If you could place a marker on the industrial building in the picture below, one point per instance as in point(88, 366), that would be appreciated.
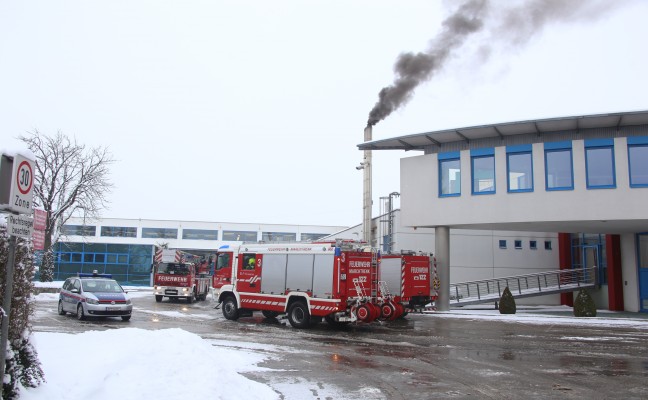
point(582, 177)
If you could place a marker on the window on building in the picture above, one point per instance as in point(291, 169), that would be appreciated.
point(279, 237)
point(312, 236)
point(199, 234)
point(241, 236)
point(559, 172)
point(502, 244)
point(519, 168)
point(79, 230)
point(547, 244)
point(483, 171)
point(533, 244)
point(599, 164)
point(449, 174)
point(119, 231)
point(518, 244)
point(638, 161)
point(159, 233)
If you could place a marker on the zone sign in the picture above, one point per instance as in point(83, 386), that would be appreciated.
point(19, 185)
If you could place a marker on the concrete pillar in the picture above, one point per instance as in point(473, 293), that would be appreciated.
point(442, 248)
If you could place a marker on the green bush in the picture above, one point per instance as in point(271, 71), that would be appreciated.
point(507, 302)
point(584, 305)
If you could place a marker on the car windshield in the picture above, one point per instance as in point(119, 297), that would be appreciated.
point(100, 285)
point(172, 268)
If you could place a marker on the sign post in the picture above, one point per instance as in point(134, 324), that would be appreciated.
point(16, 197)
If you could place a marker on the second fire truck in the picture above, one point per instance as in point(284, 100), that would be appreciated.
point(339, 282)
point(178, 274)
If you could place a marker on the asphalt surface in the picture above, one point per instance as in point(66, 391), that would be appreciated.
point(424, 356)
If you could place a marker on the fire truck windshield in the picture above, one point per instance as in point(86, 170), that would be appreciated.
point(223, 260)
point(172, 268)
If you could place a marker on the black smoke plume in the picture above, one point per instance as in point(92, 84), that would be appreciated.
point(510, 23)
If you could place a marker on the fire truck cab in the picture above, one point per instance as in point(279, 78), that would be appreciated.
point(177, 274)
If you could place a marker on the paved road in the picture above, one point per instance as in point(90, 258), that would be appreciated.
point(425, 356)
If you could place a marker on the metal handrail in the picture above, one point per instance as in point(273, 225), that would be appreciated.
point(526, 285)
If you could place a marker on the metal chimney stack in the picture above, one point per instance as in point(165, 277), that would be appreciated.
point(366, 203)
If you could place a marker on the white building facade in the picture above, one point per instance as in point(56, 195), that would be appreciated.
point(585, 178)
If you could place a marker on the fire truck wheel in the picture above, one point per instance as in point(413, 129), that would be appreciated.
point(80, 314)
point(191, 298)
point(298, 315)
point(158, 298)
point(230, 309)
point(269, 314)
point(60, 308)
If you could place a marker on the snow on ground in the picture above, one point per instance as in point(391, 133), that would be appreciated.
point(552, 315)
point(131, 363)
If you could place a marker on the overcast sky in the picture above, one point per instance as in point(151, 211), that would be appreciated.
point(251, 111)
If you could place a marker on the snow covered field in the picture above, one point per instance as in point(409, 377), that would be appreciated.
point(130, 363)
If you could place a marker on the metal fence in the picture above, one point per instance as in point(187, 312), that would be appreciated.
point(543, 283)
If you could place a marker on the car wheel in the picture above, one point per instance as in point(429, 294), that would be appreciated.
point(80, 314)
point(298, 315)
point(269, 314)
point(126, 318)
point(230, 309)
point(158, 298)
point(60, 308)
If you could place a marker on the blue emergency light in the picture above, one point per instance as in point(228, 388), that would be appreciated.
point(94, 274)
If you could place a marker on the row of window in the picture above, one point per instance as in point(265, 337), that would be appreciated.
point(188, 234)
point(533, 244)
point(600, 167)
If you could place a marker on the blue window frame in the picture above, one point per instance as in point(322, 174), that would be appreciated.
point(559, 170)
point(519, 168)
point(599, 164)
point(638, 161)
point(482, 165)
point(449, 174)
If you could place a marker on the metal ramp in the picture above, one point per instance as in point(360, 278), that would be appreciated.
point(540, 284)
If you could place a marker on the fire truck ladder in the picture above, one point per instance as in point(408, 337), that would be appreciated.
point(374, 273)
point(384, 290)
point(540, 284)
point(358, 288)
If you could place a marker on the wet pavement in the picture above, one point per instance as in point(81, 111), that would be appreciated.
point(424, 356)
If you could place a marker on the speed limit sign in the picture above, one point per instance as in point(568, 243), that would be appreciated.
point(19, 185)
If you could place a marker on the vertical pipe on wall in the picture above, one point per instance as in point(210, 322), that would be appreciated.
point(442, 249)
point(565, 259)
point(614, 277)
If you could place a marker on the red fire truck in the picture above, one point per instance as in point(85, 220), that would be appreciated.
point(179, 274)
point(411, 278)
point(335, 281)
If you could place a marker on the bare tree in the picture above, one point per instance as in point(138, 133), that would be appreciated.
point(69, 180)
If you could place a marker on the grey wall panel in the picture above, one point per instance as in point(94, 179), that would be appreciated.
point(273, 273)
point(323, 276)
point(300, 272)
point(390, 272)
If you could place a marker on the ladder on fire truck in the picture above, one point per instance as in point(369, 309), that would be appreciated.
point(373, 285)
point(540, 284)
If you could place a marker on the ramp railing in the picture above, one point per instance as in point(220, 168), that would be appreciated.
point(543, 283)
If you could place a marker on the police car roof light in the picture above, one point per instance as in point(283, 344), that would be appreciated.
point(93, 275)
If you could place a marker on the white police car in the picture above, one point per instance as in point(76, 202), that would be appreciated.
point(94, 295)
